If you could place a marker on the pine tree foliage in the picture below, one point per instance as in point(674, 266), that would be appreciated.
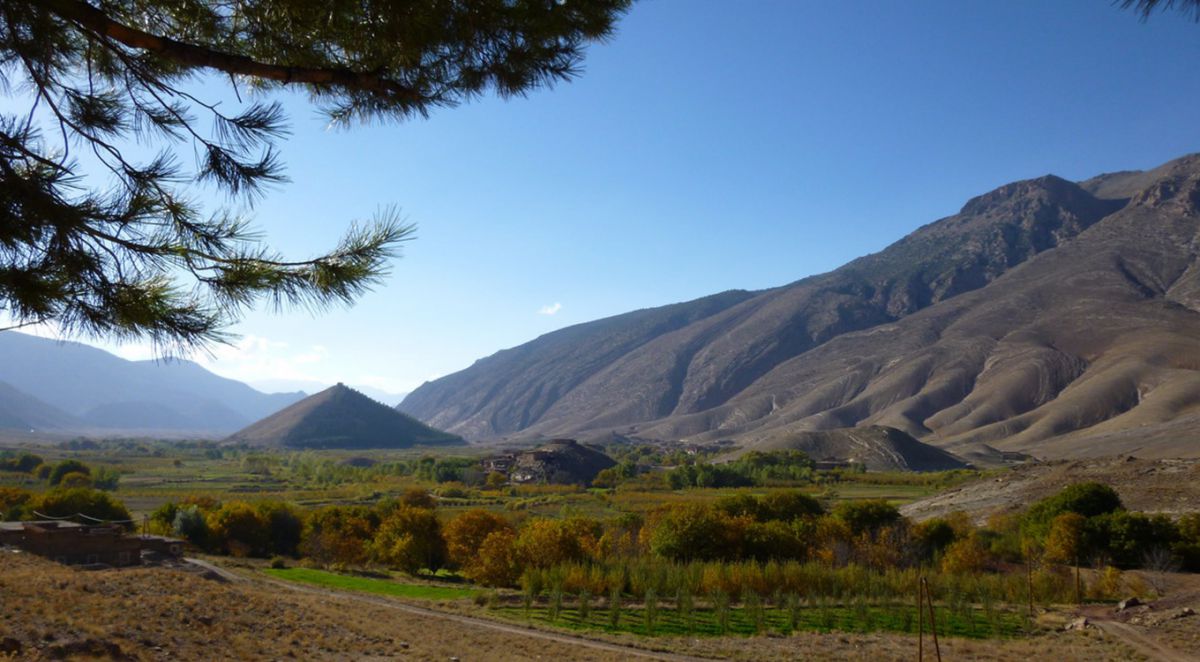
point(131, 252)
point(1148, 7)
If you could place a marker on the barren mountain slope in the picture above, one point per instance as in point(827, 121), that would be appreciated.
point(340, 417)
point(1038, 316)
point(1097, 341)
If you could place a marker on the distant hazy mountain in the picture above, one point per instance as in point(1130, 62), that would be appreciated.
point(341, 417)
point(24, 413)
point(309, 387)
point(99, 391)
point(1047, 316)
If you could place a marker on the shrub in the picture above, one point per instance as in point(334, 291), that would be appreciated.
point(23, 463)
point(13, 502)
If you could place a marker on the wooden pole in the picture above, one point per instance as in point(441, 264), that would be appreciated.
point(1029, 577)
point(1078, 585)
point(932, 620)
point(921, 620)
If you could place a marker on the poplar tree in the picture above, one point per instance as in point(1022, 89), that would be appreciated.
point(124, 248)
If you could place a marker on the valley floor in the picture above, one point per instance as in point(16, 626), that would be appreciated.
point(51, 611)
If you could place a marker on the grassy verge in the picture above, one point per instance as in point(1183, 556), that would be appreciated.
point(369, 585)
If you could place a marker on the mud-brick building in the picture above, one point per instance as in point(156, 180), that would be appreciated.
point(77, 544)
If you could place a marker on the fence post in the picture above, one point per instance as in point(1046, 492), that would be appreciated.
point(937, 648)
point(921, 620)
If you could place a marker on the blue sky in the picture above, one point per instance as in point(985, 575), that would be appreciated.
point(708, 146)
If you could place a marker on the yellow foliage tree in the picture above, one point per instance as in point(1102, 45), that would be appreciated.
point(966, 556)
point(496, 564)
point(543, 543)
point(465, 534)
point(410, 539)
point(1064, 542)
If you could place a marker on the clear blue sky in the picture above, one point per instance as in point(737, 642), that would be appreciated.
point(709, 146)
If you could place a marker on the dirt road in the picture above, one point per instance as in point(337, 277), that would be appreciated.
point(1143, 644)
point(625, 651)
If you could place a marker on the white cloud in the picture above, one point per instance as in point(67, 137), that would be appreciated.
point(550, 309)
point(255, 358)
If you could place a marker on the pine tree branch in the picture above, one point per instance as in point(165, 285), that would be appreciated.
point(96, 21)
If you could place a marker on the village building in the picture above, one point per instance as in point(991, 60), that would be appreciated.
point(84, 544)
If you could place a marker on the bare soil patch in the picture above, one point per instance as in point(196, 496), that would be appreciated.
point(1158, 486)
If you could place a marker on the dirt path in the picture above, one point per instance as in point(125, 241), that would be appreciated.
point(1143, 644)
point(481, 622)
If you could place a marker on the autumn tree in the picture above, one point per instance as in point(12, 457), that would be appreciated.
point(465, 535)
point(497, 563)
point(410, 539)
point(1064, 542)
point(543, 543)
point(238, 528)
point(121, 245)
point(338, 535)
point(966, 555)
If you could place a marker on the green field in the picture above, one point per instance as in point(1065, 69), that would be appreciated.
point(971, 623)
point(370, 585)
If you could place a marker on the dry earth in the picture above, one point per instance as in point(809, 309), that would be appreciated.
point(1159, 486)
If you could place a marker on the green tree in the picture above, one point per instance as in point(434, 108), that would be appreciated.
point(189, 523)
point(126, 250)
point(60, 470)
point(1086, 499)
point(694, 532)
point(239, 529)
point(84, 501)
point(867, 516)
point(284, 526)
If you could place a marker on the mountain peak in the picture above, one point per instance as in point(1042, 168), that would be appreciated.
point(1047, 189)
point(340, 417)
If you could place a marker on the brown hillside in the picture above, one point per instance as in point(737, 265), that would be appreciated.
point(340, 417)
point(1046, 317)
point(876, 447)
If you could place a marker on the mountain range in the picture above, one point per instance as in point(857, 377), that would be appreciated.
point(48, 386)
point(1047, 317)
